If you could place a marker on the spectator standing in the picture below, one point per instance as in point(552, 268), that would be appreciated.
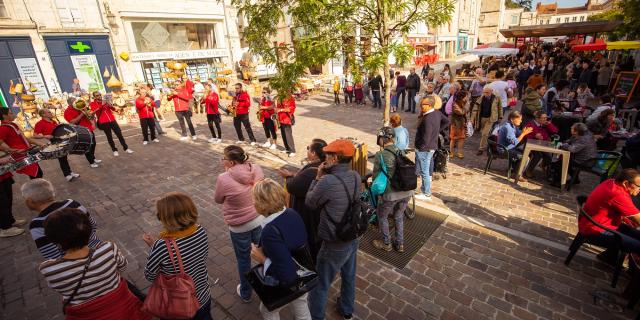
point(198, 95)
point(523, 76)
point(532, 102)
point(429, 127)
point(604, 77)
point(332, 192)
point(401, 85)
point(458, 130)
point(347, 86)
point(535, 80)
point(500, 88)
point(585, 74)
point(413, 87)
point(233, 191)
point(401, 133)
point(179, 218)
point(336, 90)
point(485, 113)
point(376, 85)
point(283, 234)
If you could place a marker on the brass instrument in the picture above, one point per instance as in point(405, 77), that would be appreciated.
point(274, 118)
point(82, 106)
point(232, 108)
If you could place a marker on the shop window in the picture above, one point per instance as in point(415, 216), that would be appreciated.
point(557, 20)
point(514, 19)
point(3, 10)
point(581, 18)
point(566, 19)
point(69, 13)
point(574, 19)
point(160, 36)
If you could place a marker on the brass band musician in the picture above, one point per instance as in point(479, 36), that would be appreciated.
point(44, 129)
point(107, 122)
point(145, 107)
point(267, 116)
point(77, 117)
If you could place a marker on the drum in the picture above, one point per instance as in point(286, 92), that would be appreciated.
point(23, 160)
point(78, 138)
point(6, 168)
point(55, 151)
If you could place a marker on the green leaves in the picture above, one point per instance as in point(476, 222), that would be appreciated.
point(627, 11)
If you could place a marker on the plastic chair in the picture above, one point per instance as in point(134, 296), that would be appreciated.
point(579, 240)
point(611, 160)
point(497, 151)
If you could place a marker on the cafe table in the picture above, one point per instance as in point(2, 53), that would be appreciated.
point(547, 147)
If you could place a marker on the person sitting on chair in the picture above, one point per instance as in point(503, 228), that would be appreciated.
point(542, 129)
point(582, 146)
point(609, 204)
point(510, 136)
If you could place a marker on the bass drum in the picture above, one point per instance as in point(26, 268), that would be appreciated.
point(78, 138)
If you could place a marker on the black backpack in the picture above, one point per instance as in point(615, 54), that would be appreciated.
point(355, 219)
point(404, 174)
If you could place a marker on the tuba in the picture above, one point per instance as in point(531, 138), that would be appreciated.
point(82, 106)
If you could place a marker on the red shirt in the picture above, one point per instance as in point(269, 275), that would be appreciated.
point(607, 204)
point(212, 101)
point(11, 134)
point(104, 113)
point(70, 113)
point(545, 131)
point(45, 127)
point(181, 99)
point(144, 111)
point(266, 114)
point(243, 102)
point(285, 117)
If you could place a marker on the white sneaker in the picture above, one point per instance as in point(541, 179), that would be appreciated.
point(239, 142)
point(219, 141)
point(194, 137)
point(183, 138)
point(144, 143)
point(115, 153)
point(19, 222)
point(96, 161)
point(13, 231)
point(291, 155)
point(266, 144)
point(253, 143)
point(75, 175)
point(156, 140)
point(70, 177)
point(129, 151)
point(273, 147)
point(423, 197)
point(94, 165)
point(212, 140)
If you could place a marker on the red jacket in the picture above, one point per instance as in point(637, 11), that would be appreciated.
point(181, 99)
point(11, 134)
point(105, 111)
point(212, 101)
point(45, 127)
point(545, 131)
point(189, 86)
point(71, 113)
point(144, 111)
point(266, 114)
point(243, 103)
point(283, 116)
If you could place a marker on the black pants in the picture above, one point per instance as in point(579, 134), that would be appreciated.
point(148, 124)
point(269, 129)
point(336, 97)
point(113, 126)
point(411, 104)
point(602, 89)
point(39, 174)
point(630, 240)
point(90, 155)
point(6, 199)
point(348, 95)
point(377, 102)
point(182, 116)
point(64, 166)
point(400, 94)
point(243, 119)
point(211, 120)
point(534, 159)
point(287, 138)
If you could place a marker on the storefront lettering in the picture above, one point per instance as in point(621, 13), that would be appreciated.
point(178, 55)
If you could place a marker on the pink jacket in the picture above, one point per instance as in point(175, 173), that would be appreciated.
point(233, 190)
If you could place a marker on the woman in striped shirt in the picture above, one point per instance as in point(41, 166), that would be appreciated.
point(179, 216)
point(88, 279)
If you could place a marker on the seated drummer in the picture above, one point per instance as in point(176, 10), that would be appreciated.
point(609, 204)
point(44, 129)
point(12, 140)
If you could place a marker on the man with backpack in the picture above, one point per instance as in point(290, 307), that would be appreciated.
point(335, 193)
point(392, 163)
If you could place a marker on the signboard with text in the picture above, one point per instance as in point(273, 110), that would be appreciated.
point(178, 55)
point(30, 73)
point(88, 72)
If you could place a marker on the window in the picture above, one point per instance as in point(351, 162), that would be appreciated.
point(566, 19)
point(581, 18)
point(514, 19)
point(161, 36)
point(557, 20)
point(548, 21)
point(69, 13)
point(3, 10)
point(574, 19)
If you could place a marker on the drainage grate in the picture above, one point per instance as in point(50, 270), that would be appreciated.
point(416, 234)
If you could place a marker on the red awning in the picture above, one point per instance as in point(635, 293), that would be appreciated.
point(598, 45)
point(497, 44)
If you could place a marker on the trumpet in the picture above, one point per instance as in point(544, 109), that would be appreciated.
point(82, 106)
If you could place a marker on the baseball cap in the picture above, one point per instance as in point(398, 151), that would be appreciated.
point(341, 147)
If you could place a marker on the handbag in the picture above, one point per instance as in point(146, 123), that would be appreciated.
point(274, 297)
point(469, 131)
point(84, 274)
point(379, 184)
point(172, 296)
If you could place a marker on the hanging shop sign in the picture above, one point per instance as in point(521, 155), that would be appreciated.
point(178, 55)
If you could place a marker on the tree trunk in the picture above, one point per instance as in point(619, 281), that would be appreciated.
point(387, 93)
point(384, 46)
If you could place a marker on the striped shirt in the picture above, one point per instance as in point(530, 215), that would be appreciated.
point(194, 250)
point(47, 249)
point(103, 275)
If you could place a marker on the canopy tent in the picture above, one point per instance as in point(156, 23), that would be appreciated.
point(497, 44)
point(560, 29)
point(493, 51)
point(616, 45)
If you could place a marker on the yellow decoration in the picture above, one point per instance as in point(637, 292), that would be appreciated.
point(27, 97)
point(106, 73)
point(12, 87)
point(114, 82)
point(18, 88)
point(124, 55)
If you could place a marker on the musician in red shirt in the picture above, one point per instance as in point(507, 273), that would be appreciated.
point(107, 122)
point(285, 109)
point(13, 141)
point(211, 102)
point(267, 109)
point(242, 102)
point(181, 96)
point(144, 106)
point(77, 117)
point(44, 129)
point(8, 224)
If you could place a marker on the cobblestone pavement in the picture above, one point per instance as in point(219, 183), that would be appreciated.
point(498, 256)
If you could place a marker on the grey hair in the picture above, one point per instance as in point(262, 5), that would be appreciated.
point(38, 190)
point(580, 128)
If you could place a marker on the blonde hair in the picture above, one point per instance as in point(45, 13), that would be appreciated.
point(176, 211)
point(268, 197)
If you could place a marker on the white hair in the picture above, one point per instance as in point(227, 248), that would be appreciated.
point(38, 190)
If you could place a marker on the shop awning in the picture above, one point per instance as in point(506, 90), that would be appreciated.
point(561, 29)
point(500, 52)
point(616, 45)
point(497, 44)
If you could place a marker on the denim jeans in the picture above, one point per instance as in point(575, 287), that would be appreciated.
point(204, 313)
point(423, 165)
point(395, 208)
point(242, 248)
point(411, 100)
point(377, 102)
point(630, 240)
point(330, 261)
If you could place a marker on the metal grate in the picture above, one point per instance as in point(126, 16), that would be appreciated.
point(416, 234)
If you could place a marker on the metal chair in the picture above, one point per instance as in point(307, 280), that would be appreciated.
point(579, 240)
point(611, 162)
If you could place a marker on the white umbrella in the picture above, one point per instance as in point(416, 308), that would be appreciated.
point(493, 51)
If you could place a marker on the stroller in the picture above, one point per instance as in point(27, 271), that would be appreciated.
point(367, 197)
point(441, 158)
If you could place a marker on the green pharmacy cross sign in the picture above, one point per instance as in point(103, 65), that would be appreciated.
point(79, 47)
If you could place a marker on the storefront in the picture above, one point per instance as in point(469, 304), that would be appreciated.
point(81, 57)
point(19, 64)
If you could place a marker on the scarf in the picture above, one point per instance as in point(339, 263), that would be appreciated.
point(180, 233)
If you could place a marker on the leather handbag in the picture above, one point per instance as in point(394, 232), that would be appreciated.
point(274, 297)
point(172, 296)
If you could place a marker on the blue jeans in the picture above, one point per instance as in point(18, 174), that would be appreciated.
point(204, 313)
point(377, 102)
point(330, 261)
point(423, 165)
point(242, 248)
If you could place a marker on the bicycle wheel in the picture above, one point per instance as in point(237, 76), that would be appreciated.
point(410, 211)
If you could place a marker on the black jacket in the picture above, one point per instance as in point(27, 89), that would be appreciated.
point(298, 186)
point(428, 130)
point(413, 82)
point(375, 83)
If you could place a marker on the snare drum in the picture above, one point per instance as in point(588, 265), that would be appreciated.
point(78, 138)
point(54, 151)
point(25, 160)
point(4, 168)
